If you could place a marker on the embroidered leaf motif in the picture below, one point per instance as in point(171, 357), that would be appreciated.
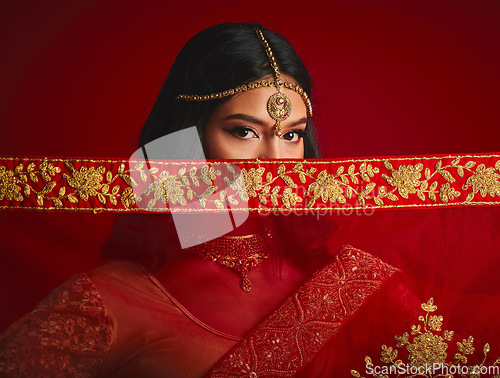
point(269, 177)
point(447, 176)
point(69, 166)
point(232, 201)
point(202, 202)
point(470, 164)
point(392, 197)
point(302, 177)
point(348, 192)
point(427, 173)
point(369, 187)
point(101, 198)
point(45, 176)
point(298, 167)
point(47, 188)
point(262, 199)
point(289, 182)
point(420, 195)
point(486, 348)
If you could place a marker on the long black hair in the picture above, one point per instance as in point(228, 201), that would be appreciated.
point(216, 59)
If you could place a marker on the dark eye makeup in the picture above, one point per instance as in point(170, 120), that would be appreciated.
point(244, 132)
point(290, 135)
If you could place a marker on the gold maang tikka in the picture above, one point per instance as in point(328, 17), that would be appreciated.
point(279, 106)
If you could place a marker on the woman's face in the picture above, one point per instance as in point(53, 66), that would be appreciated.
point(241, 128)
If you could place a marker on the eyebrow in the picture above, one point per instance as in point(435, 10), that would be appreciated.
point(249, 118)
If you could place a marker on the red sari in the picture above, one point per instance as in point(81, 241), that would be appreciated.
point(357, 313)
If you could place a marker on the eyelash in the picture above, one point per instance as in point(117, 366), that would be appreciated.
point(300, 133)
point(233, 131)
point(236, 129)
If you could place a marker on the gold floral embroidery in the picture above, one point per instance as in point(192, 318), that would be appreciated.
point(427, 345)
point(485, 181)
point(8, 188)
point(254, 186)
point(406, 180)
point(253, 180)
point(86, 182)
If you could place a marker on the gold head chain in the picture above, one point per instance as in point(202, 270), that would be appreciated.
point(279, 106)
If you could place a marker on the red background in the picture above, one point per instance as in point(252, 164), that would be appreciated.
point(78, 77)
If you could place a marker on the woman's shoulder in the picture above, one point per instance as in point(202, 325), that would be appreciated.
point(121, 278)
point(71, 322)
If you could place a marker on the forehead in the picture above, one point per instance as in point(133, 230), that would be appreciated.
point(254, 102)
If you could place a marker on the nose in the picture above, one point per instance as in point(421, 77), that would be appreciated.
point(271, 149)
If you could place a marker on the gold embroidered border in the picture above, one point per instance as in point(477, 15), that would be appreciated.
point(427, 346)
point(293, 334)
point(281, 186)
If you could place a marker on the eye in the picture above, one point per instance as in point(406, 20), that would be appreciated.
point(293, 135)
point(243, 132)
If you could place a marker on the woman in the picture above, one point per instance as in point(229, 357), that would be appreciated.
point(182, 318)
point(246, 303)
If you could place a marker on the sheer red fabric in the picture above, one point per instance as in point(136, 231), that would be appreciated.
point(445, 248)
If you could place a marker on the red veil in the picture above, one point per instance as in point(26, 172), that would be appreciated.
point(428, 222)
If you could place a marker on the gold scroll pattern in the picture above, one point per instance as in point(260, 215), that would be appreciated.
point(427, 346)
point(303, 185)
point(296, 331)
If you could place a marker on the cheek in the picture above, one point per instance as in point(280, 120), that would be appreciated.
point(295, 150)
